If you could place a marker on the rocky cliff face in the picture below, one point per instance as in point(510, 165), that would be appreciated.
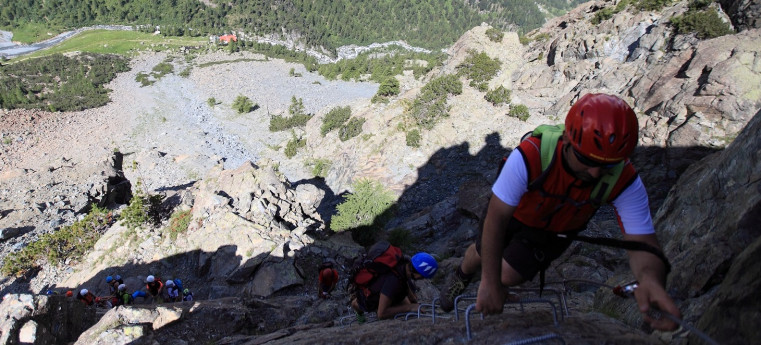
point(709, 227)
point(692, 96)
point(43, 319)
point(255, 237)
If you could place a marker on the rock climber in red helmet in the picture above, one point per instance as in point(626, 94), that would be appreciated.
point(533, 201)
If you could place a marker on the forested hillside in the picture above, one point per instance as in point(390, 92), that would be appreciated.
point(427, 23)
point(59, 83)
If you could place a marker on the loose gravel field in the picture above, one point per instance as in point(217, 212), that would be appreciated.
point(170, 136)
point(168, 128)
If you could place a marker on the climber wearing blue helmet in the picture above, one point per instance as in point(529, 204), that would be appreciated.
point(397, 294)
point(425, 264)
point(391, 289)
point(113, 284)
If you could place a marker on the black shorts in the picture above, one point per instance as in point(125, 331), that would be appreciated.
point(388, 284)
point(528, 250)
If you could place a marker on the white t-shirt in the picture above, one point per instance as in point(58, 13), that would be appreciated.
point(631, 206)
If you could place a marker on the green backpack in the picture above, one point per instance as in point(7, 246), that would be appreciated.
point(550, 135)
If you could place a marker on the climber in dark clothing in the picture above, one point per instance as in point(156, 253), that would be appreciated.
point(155, 288)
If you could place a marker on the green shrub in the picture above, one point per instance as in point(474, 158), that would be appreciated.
point(699, 4)
point(185, 72)
point(413, 138)
point(431, 104)
point(519, 111)
point(364, 211)
point(479, 68)
point(179, 222)
point(162, 69)
point(144, 207)
point(608, 12)
point(297, 107)
point(495, 35)
point(542, 37)
point(444, 85)
point(320, 167)
point(157, 73)
point(351, 129)
point(704, 23)
point(211, 101)
point(335, 118)
point(155, 208)
point(602, 15)
point(144, 79)
point(298, 118)
point(500, 95)
point(379, 99)
point(243, 104)
point(232, 47)
point(293, 73)
point(135, 214)
point(389, 87)
point(293, 146)
point(652, 5)
point(59, 83)
point(281, 123)
point(69, 242)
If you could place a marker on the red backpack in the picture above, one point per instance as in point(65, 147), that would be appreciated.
point(380, 259)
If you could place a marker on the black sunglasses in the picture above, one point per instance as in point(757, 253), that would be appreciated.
point(590, 163)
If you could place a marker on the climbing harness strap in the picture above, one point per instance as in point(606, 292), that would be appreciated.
point(609, 242)
point(623, 244)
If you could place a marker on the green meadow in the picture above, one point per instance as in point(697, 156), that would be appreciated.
point(28, 33)
point(125, 43)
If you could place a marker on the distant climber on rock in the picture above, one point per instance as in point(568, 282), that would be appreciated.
point(551, 185)
point(187, 295)
point(386, 285)
point(86, 297)
point(155, 288)
point(113, 283)
point(123, 296)
point(173, 291)
point(327, 279)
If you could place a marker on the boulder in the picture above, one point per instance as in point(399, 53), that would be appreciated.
point(110, 187)
point(6, 233)
point(273, 275)
point(38, 319)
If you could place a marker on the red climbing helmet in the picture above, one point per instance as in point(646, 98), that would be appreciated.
point(602, 127)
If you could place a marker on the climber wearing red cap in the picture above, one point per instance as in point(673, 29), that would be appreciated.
point(553, 183)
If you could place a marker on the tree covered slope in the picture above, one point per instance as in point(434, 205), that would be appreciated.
point(427, 23)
